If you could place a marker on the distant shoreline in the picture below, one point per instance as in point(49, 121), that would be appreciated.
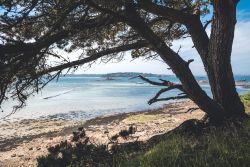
point(139, 73)
point(242, 83)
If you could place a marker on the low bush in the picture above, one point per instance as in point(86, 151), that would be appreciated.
point(81, 152)
point(222, 147)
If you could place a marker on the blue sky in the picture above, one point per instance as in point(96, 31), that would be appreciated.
point(240, 55)
point(244, 5)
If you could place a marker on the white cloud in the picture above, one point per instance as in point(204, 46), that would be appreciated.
point(240, 56)
point(127, 65)
point(241, 48)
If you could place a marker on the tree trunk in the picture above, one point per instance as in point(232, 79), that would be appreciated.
point(226, 103)
point(178, 66)
point(219, 59)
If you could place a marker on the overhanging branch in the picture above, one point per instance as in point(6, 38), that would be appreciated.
point(163, 83)
point(170, 98)
point(155, 98)
point(169, 13)
point(95, 56)
point(170, 86)
point(191, 21)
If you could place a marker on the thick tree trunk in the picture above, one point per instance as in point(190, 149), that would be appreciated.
point(178, 66)
point(219, 64)
point(216, 56)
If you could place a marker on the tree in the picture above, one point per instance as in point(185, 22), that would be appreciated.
point(103, 29)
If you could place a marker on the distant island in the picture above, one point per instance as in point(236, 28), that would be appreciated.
point(241, 81)
point(117, 74)
point(132, 74)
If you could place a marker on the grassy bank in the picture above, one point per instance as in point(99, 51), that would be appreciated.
point(223, 147)
point(246, 100)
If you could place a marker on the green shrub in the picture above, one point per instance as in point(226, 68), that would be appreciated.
point(81, 152)
point(223, 147)
point(246, 100)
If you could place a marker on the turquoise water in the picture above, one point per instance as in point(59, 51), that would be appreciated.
point(85, 97)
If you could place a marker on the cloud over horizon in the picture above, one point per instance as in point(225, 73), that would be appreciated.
point(240, 55)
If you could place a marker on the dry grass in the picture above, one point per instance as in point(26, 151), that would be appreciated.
point(143, 117)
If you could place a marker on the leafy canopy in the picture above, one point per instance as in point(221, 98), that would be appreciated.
point(32, 31)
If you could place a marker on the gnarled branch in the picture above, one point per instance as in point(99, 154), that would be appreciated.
point(163, 83)
point(170, 98)
point(96, 56)
point(155, 98)
point(170, 86)
point(192, 109)
point(191, 21)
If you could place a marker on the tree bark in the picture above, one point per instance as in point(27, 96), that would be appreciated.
point(177, 64)
point(219, 59)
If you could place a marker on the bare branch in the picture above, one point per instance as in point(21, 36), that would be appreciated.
point(155, 98)
point(190, 61)
point(95, 56)
point(207, 23)
point(179, 49)
point(170, 86)
point(169, 98)
point(192, 109)
point(164, 83)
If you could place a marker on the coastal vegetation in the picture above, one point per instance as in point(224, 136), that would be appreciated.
point(143, 117)
point(227, 146)
point(32, 32)
point(246, 100)
point(221, 147)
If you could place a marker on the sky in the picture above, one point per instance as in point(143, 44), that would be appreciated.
point(240, 54)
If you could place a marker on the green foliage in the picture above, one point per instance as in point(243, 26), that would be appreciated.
point(65, 154)
point(126, 133)
point(246, 100)
point(33, 31)
point(81, 152)
point(229, 147)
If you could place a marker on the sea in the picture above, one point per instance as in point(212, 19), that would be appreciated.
point(82, 97)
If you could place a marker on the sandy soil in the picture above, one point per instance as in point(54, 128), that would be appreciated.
point(29, 139)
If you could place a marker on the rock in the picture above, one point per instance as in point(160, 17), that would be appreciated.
point(27, 158)
point(30, 163)
point(30, 148)
point(80, 129)
point(13, 155)
point(20, 155)
point(38, 148)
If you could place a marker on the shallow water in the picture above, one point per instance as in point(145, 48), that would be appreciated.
point(85, 97)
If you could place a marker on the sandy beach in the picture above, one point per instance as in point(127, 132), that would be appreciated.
point(22, 142)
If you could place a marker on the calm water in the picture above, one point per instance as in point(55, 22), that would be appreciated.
point(81, 97)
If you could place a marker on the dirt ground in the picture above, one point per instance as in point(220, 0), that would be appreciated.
point(22, 142)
